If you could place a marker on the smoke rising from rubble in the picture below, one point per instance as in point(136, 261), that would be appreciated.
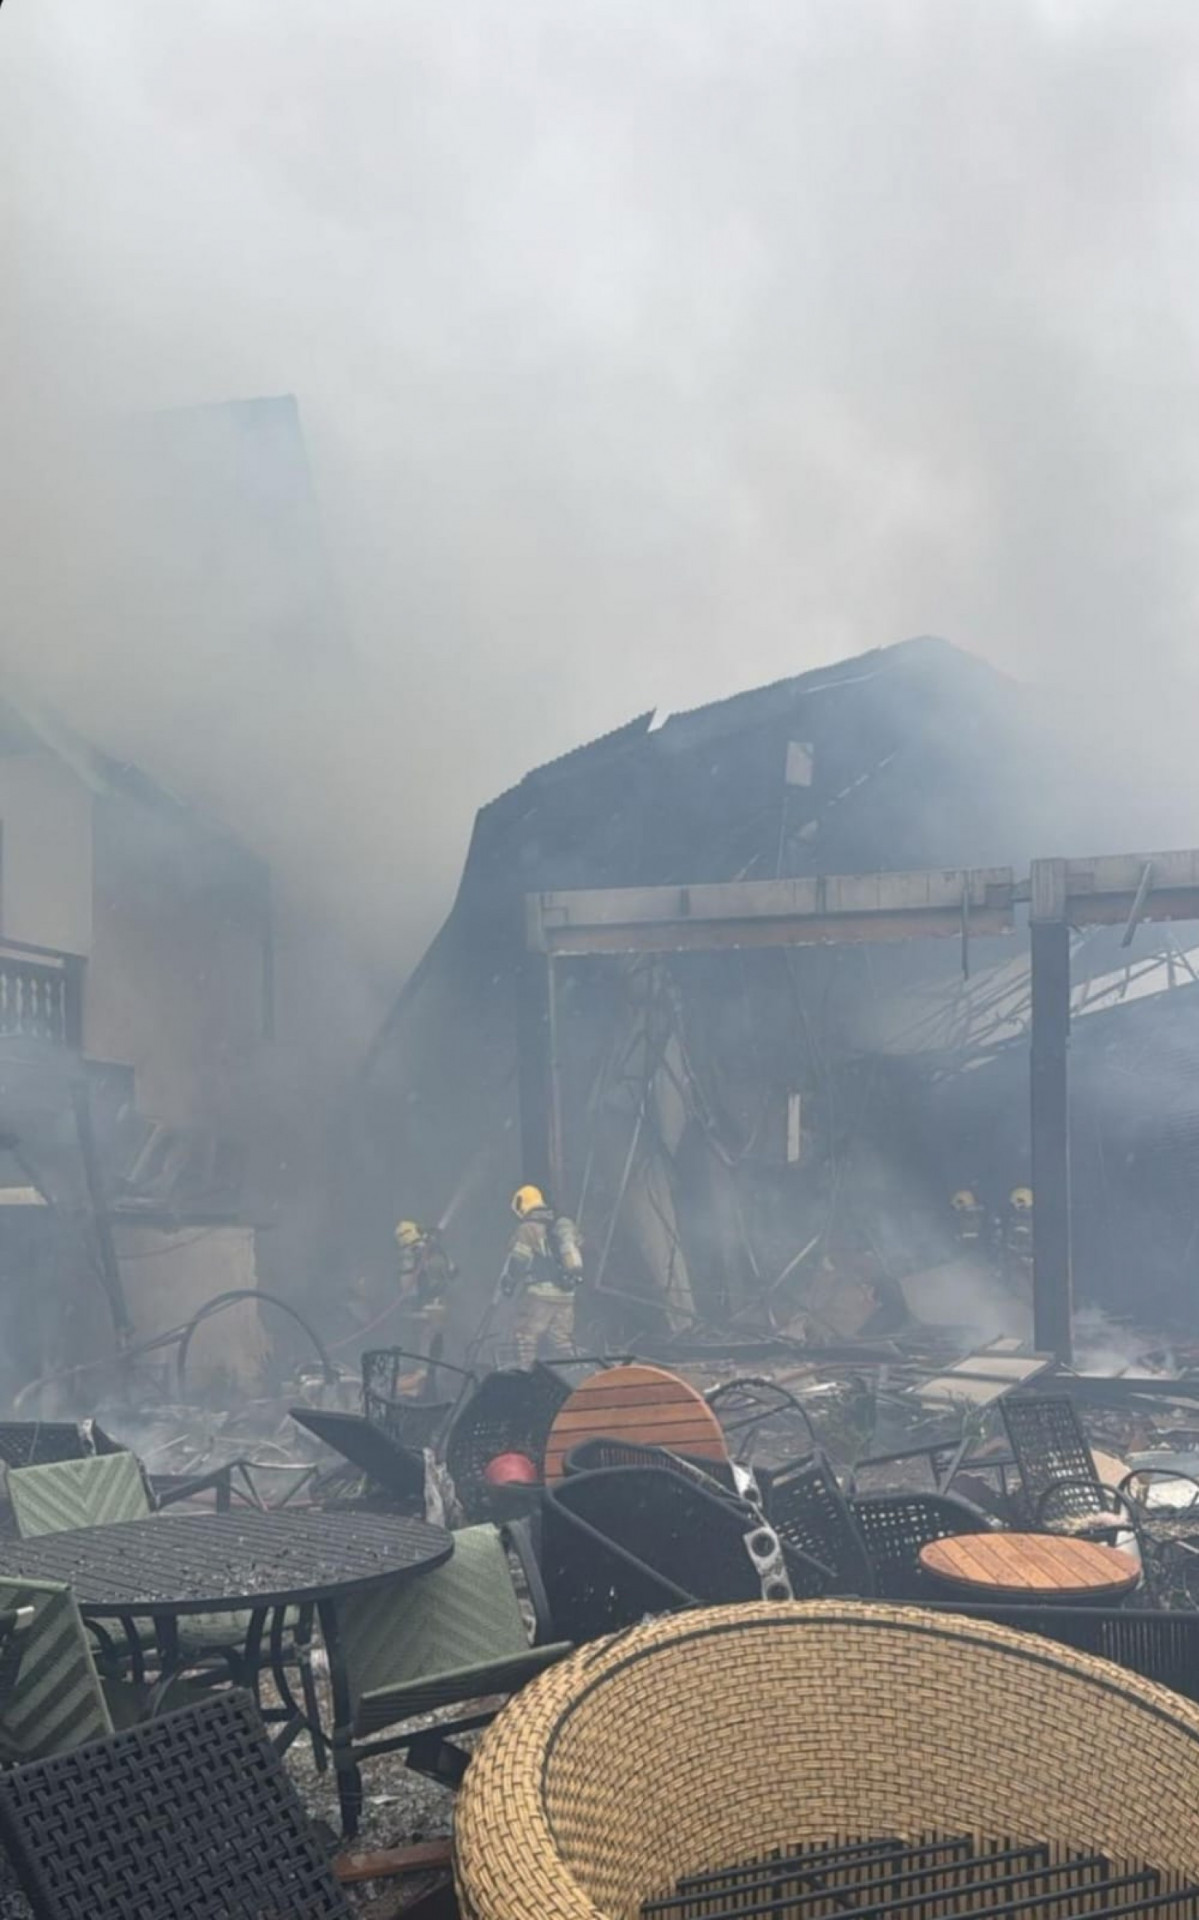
point(644, 353)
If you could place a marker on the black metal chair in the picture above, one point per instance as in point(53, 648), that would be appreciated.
point(191, 1815)
point(592, 1456)
point(759, 1413)
point(512, 1411)
point(895, 1526)
point(410, 1422)
point(627, 1541)
point(1061, 1490)
point(805, 1504)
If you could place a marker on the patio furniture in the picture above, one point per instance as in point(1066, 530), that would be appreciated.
point(872, 1541)
point(640, 1403)
point(621, 1543)
point(896, 1528)
point(511, 1411)
point(409, 1422)
point(171, 1567)
point(26, 1443)
point(190, 1816)
point(109, 1490)
point(1060, 1485)
point(804, 1502)
point(397, 1470)
point(1038, 1566)
point(94, 1492)
point(1160, 1646)
point(457, 1636)
point(592, 1456)
point(112, 1484)
point(54, 1699)
point(692, 1746)
point(758, 1414)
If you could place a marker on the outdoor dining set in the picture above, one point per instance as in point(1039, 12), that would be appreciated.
point(152, 1643)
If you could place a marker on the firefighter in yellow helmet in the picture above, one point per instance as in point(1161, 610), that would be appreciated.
point(545, 1266)
point(425, 1273)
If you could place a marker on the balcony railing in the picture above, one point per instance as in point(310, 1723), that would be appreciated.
point(41, 995)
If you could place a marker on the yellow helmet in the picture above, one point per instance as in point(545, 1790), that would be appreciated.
point(1021, 1199)
point(408, 1234)
point(527, 1200)
point(963, 1200)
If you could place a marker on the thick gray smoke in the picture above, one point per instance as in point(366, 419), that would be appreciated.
point(645, 351)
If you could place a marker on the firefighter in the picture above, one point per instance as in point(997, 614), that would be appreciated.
point(969, 1221)
point(544, 1264)
point(425, 1273)
point(1017, 1239)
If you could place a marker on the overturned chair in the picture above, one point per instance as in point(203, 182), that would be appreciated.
point(191, 1815)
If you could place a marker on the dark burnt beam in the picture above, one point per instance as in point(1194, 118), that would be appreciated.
point(833, 910)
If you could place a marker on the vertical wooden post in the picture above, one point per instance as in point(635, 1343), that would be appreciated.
point(1049, 932)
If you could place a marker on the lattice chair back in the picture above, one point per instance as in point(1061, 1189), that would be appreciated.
point(1049, 1445)
point(190, 1815)
point(805, 1505)
point(54, 1701)
point(591, 1456)
point(78, 1493)
point(895, 1526)
point(511, 1412)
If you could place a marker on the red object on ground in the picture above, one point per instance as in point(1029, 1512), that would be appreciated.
point(510, 1470)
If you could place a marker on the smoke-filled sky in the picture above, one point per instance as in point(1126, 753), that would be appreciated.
point(646, 349)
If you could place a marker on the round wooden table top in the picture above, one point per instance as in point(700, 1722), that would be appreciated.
point(636, 1402)
point(1031, 1566)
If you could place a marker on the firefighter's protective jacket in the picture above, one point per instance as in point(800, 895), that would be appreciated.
point(425, 1270)
point(545, 1256)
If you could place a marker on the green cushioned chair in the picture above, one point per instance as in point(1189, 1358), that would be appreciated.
point(53, 1698)
point(454, 1636)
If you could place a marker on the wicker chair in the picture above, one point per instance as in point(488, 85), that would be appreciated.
point(456, 1636)
point(627, 1541)
point(709, 1739)
point(191, 1815)
point(512, 1412)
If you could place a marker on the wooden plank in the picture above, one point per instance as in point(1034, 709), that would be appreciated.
point(427, 1856)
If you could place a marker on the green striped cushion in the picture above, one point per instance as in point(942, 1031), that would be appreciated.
point(78, 1493)
point(57, 1701)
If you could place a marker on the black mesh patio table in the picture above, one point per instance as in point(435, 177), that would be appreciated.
point(171, 1565)
point(175, 1564)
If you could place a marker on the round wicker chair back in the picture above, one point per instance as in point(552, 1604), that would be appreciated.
point(711, 1737)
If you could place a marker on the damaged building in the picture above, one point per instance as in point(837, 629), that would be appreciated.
point(774, 1139)
point(136, 1002)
